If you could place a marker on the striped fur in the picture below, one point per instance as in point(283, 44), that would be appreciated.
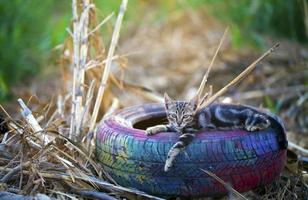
point(185, 119)
point(184, 140)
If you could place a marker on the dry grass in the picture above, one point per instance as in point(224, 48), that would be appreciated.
point(55, 141)
point(148, 56)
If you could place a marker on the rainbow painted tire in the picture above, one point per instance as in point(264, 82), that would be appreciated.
point(244, 159)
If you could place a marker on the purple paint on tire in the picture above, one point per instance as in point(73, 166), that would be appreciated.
point(244, 159)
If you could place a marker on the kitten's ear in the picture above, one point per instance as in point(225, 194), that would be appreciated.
point(168, 100)
point(194, 102)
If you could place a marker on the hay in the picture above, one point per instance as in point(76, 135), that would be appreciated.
point(56, 142)
point(63, 166)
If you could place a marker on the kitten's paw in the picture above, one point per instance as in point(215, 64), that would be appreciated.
point(167, 168)
point(168, 164)
point(257, 122)
point(156, 129)
point(174, 151)
point(150, 131)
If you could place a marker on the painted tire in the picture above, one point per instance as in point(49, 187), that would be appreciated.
point(244, 159)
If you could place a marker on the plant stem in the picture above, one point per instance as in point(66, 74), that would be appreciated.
point(240, 77)
point(113, 44)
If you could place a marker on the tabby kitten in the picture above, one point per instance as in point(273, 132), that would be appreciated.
point(185, 119)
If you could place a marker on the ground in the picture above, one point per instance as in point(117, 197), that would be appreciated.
point(171, 57)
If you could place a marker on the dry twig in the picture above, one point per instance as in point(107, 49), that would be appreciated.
point(240, 77)
point(75, 67)
point(297, 147)
point(13, 171)
point(113, 44)
point(204, 80)
point(27, 114)
point(80, 40)
point(226, 185)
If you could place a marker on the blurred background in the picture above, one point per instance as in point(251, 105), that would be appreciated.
point(166, 46)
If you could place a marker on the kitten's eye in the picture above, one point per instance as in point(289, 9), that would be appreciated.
point(172, 115)
point(186, 116)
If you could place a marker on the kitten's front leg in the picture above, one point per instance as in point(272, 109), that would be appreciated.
point(184, 140)
point(156, 129)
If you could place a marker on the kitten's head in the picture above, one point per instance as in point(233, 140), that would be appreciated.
point(180, 114)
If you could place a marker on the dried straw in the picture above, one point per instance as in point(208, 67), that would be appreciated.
point(240, 77)
point(113, 44)
point(226, 185)
point(76, 44)
point(204, 80)
point(83, 52)
point(27, 114)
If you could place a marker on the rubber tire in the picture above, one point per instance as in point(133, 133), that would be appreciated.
point(243, 159)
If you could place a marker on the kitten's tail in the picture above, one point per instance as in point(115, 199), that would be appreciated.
point(184, 140)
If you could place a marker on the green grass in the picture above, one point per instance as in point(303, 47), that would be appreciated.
point(251, 20)
point(28, 31)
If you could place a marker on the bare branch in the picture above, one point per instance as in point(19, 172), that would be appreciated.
point(114, 41)
point(204, 80)
point(240, 77)
point(76, 41)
